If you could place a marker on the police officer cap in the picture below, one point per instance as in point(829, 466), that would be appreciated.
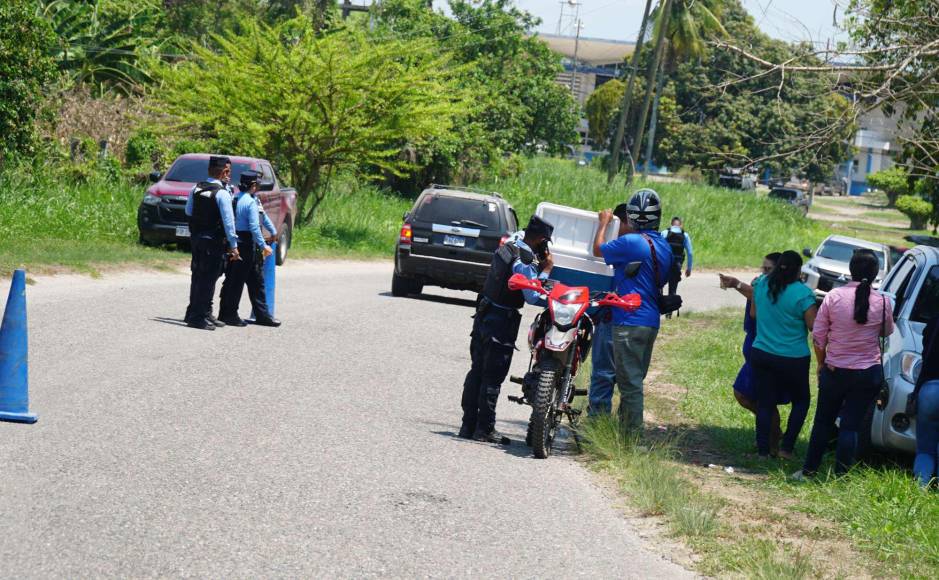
point(539, 227)
point(218, 162)
point(248, 178)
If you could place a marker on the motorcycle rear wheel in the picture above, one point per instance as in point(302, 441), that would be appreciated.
point(544, 415)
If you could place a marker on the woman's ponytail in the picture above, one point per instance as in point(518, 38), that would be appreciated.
point(864, 268)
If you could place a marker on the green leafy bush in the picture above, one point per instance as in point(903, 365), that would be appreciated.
point(895, 182)
point(143, 148)
point(917, 209)
point(25, 68)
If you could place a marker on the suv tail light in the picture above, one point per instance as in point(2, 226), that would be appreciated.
point(503, 240)
point(406, 234)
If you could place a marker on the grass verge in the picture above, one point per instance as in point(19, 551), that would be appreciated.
point(873, 522)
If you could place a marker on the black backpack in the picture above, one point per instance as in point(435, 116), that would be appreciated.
point(677, 242)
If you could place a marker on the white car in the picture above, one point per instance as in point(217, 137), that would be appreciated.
point(828, 268)
point(913, 287)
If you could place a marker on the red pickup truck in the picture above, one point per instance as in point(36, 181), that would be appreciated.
point(162, 218)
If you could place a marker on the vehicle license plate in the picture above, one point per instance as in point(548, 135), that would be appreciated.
point(458, 241)
point(182, 231)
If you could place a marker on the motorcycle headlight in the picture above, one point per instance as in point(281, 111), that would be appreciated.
point(151, 199)
point(910, 365)
point(564, 313)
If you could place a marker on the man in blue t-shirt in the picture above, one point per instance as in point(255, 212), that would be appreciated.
point(634, 332)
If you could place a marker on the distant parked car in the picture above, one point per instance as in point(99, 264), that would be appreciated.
point(792, 196)
point(913, 286)
point(828, 267)
point(743, 181)
point(448, 238)
point(161, 217)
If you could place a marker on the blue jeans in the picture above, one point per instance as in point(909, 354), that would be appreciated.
point(927, 432)
point(603, 374)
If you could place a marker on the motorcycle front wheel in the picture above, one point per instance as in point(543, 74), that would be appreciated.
point(544, 415)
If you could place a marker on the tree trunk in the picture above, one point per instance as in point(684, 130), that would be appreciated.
point(653, 122)
point(650, 77)
point(616, 145)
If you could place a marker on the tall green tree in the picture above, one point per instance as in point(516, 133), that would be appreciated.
point(315, 104)
point(518, 106)
point(617, 143)
point(686, 28)
point(25, 69)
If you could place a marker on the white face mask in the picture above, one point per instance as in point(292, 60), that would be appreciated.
point(676, 229)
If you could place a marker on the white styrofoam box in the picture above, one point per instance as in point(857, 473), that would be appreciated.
point(572, 245)
point(574, 230)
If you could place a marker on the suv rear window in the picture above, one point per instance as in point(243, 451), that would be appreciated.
point(842, 252)
point(473, 213)
point(927, 303)
point(190, 170)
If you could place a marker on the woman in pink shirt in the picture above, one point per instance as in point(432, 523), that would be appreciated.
point(847, 335)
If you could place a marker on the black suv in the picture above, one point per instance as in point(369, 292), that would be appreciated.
point(448, 239)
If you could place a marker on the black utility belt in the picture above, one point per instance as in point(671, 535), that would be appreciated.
point(245, 237)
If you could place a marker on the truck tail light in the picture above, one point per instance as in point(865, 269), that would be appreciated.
point(406, 234)
point(503, 240)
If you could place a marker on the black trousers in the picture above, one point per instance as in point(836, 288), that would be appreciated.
point(674, 277)
point(249, 271)
point(491, 347)
point(778, 377)
point(849, 394)
point(208, 262)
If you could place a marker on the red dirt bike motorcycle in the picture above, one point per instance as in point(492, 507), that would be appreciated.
point(559, 339)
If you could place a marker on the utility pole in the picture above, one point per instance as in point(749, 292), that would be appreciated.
point(576, 49)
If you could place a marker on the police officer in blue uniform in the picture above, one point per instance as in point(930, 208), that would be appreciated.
point(249, 216)
point(495, 327)
point(212, 230)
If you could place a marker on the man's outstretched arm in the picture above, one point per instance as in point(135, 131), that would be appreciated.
point(605, 217)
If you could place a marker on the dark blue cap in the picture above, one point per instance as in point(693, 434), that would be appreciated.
point(248, 178)
point(539, 227)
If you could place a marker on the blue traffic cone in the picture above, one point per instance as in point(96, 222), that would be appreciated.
point(14, 361)
point(269, 270)
point(270, 278)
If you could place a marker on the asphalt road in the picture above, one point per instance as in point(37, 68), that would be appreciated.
point(323, 448)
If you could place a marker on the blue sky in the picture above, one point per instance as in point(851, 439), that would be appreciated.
point(791, 20)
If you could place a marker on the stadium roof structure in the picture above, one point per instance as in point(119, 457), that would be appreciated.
point(590, 51)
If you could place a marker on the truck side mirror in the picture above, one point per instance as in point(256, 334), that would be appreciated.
point(266, 186)
point(632, 269)
point(155, 176)
point(807, 252)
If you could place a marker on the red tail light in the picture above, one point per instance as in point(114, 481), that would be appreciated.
point(406, 234)
point(503, 241)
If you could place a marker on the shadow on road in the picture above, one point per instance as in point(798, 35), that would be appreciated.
point(439, 299)
point(173, 321)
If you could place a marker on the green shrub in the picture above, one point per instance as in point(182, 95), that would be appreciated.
point(917, 209)
point(25, 68)
point(143, 148)
point(894, 182)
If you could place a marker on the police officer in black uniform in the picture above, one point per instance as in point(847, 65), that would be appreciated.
point(212, 230)
point(495, 327)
